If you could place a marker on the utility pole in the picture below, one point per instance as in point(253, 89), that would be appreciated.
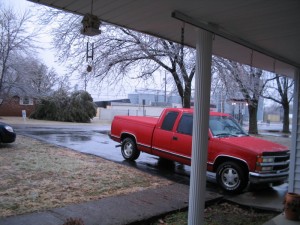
point(85, 82)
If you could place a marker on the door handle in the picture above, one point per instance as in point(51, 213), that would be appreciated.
point(175, 138)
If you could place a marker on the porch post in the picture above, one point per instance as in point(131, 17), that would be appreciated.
point(200, 128)
point(295, 138)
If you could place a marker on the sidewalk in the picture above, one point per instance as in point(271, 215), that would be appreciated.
point(117, 210)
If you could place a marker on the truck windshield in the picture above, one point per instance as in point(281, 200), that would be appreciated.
point(223, 126)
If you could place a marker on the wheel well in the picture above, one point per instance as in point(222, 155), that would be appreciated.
point(222, 159)
point(126, 135)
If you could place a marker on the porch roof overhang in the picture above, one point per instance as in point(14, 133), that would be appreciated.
point(261, 33)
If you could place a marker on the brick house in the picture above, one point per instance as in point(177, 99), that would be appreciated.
point(13, 106)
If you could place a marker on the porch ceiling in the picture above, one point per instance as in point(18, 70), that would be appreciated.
point(270, 27)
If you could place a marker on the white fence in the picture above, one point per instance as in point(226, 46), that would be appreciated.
point(108, 114)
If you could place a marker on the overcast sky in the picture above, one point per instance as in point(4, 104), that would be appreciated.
point(48, 57)
point(46, 54)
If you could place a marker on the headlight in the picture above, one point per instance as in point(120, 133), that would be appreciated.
point(268, 160)
point(265, 159)
point(9, 128)
point(267, 168)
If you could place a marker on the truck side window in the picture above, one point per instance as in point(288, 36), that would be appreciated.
point(186, 124)
point(169, 121)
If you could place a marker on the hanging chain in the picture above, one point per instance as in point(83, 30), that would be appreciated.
point(182, 40)
point(92, 7)
point(251, 61)
point(274, 65)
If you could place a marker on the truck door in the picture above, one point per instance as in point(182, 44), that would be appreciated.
point(182, 137)
point(162, 137)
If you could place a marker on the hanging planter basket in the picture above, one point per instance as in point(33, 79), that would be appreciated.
point(292, 206)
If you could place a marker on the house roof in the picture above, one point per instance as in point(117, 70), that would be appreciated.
point(261, 33)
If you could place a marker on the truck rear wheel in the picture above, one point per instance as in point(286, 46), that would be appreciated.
point(129, 149)
point(231, 177)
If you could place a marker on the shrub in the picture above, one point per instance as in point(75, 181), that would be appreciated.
point(78, 107)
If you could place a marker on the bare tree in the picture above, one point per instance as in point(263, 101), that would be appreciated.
point(281, 92)
point(40, 78)
point(220, 90)
point(28, 76)
point(249, 82)
point(15, 40)
point(120, 53)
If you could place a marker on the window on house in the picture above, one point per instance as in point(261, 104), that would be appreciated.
point(26, 101)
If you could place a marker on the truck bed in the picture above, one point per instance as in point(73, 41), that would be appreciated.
point(140, 127)
point(151, 121)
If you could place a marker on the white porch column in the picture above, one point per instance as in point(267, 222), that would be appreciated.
point(294, 148)
point(200, 128)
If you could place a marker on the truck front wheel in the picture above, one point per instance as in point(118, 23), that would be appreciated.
point(129, 149)
point(231, 177)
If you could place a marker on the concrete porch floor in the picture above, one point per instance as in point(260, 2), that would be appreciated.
point(281, 220)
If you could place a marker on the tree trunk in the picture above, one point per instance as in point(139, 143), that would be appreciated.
point(286, 119)
point(186, 101)
point(252, 119)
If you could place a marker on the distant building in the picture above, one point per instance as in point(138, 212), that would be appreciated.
point(237, 106)
point(104, 104)
point(154, 97)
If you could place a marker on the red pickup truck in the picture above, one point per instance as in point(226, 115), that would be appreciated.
point(233, 156)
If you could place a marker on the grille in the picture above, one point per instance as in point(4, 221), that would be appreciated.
point(280, 157)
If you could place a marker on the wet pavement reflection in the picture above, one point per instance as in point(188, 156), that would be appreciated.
point(97, 142)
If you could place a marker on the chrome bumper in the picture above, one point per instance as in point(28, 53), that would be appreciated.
point(256, 178)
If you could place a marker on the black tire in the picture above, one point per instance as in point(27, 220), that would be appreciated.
point(232, 177)
point(129, 149)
